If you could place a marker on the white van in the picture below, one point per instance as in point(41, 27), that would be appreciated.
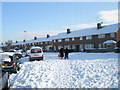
point(36, 53)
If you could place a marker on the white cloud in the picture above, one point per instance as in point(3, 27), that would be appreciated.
point(109, 16)
point(81, 26)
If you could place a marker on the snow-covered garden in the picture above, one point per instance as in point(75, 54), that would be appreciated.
point(81, 70)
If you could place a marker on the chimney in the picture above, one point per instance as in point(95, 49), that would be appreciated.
point(48, 35)
point(35, 38)
point(68, 31)
point(23, 40)
point(99, 25)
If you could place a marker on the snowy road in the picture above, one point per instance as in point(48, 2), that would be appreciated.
point(82, 70)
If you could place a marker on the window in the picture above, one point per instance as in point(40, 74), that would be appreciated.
point(100, 45)
point(81, 46)
point(112, 34)
point(36, 51)
point(73, 46)
point(89, 46)
point(59, 47)
point(54, 47)
point(101, 36)
point(67, 46)
point(73, 39)
point(88, 37)
point(66, 39)
point(81, 38)
point(59, 40)
point(54, 40)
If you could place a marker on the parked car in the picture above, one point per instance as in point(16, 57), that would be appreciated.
point(10, 62)
point(27, 53)
point(36, 53)
point(117, 49)
point(11, 50)
point(18, 53)
point(4, 79)
point(1, 51)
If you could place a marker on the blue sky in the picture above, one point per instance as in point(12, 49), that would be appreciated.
point(41, 18)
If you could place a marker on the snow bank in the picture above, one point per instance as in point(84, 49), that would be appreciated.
point(100, 71)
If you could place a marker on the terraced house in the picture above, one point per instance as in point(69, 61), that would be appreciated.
point(98, 39)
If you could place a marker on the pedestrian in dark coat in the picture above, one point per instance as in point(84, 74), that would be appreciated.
point(66, 53)
point(61, 52)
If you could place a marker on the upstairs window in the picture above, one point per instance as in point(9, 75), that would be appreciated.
point(66, 39)
point(73, 39)
point(88, 37)
point(54, 40)
point(112, 34)
point(59, 40)
point(101, 36)
point(81, 38)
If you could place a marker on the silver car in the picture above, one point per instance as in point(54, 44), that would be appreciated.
point(4, 79)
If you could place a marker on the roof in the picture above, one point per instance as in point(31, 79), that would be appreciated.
point(88, 31)
point(109, 41)
point(78, 33)
point(4, 45)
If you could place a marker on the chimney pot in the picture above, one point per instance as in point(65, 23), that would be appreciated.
point(35, 38)
point(48, 35)
point(68, 31)
point(99, 25)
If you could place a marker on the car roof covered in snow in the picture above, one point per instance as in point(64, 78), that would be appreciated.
point(36, 47)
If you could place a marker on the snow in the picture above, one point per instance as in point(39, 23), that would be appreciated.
point(89, 31)
point(109, 41)
point(81, 70)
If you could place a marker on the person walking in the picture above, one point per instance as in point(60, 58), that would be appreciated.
point(61, 52)
point(66, 51)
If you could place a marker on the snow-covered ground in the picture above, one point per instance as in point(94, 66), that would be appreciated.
point(81, 70)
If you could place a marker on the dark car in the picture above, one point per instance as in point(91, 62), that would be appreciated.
point(4, 79)
point(117, 49)
point(18, 53)
point(10, 62)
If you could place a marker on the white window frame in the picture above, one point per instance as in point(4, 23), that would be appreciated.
point(81, 38)
point(112, 34)
point(67, 46)
point(88, 37)
point(100, 45)
point(101, 36)
point(59, 47)
point(54, 47)
point(66, 39)
point(59, 40)
point(54, 40)
point(89, 46)
point(73, 39)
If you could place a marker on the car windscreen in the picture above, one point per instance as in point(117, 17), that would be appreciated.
point(5, 57)
point(35, 50)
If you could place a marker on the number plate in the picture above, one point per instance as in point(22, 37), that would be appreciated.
point(3, 64)
point(36, 55)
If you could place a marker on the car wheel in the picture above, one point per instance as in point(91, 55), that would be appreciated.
point(7, 85)
point(18, 68)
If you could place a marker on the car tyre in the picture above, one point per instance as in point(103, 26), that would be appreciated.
point(7, 84)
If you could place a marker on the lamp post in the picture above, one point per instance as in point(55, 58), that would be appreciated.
point(25, 40)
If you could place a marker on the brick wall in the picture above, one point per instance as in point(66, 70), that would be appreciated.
point(118, 35)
